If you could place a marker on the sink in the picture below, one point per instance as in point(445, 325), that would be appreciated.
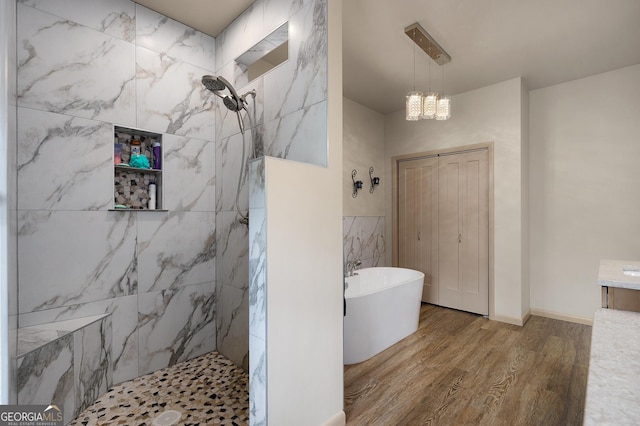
point(631, 271)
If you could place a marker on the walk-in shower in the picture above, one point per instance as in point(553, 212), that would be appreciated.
point(234, 103)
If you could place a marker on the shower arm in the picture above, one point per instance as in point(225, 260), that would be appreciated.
point(242, 100)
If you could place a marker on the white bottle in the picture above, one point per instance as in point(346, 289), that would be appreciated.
point(152, 196)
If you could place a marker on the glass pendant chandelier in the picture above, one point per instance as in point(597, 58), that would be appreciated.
point(414, 106)
point(443, 110)
point(429, 105)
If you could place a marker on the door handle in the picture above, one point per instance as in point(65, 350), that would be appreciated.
point(460, 238)
point(418, 236)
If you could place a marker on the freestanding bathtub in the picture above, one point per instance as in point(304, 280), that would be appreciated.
point(383, 307)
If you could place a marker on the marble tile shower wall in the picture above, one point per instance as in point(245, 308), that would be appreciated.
point(72, 370)
point(83, 67)
point(10, 268)
point(364, 240)
point(287, 119)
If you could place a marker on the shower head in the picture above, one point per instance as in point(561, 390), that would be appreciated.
point(231, 103)
point(213, 83)
point(216, 84)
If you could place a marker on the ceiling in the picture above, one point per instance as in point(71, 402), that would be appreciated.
point(544, 41)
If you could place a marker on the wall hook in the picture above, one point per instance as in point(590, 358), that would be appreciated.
point(357, 184)
point(375, 181)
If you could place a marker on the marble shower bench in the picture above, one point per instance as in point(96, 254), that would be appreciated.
point(67, 363)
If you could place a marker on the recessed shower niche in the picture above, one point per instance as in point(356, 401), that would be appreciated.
point(267, 54)
point(137, 169)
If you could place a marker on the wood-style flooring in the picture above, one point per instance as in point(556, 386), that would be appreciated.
point(462, 369)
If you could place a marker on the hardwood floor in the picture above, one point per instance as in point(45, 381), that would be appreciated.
point(462, 369)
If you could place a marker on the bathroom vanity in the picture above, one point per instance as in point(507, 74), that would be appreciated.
point(620, 281)
point(613, 383)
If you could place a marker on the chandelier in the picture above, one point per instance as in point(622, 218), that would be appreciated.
point(427, 105)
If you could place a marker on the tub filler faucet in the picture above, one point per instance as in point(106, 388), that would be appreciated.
point(352, 267)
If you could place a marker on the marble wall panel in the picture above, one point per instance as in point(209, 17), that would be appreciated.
point(45, 376)
point(189, 174)
point(232, 165)
point(176, 325)
point(364, 240)
point(232, 319)
point(232, 250)
point(64, 162)
point(170, 97)
point(124, 324)
point(258, 274)
point(245, 31)
point(100, 262)
point(257, 295)
point(302, 80)
point(150, 80)
point(168, 37)
point(71, 69)
point(299, 136)
point(176, 251)
point(258, 382)
point(92, 363)
point(277, 12)
point(114, 17)
point(8, 206)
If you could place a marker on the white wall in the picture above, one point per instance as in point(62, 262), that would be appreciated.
point(488, 114)
point(585, 172)
point(363, 147)
point(526, 254)
point(304, 293)
point(364, 219)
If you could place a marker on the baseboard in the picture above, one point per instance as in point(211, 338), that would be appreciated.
point(562, 317)
point(340, 419)
point(509, 320)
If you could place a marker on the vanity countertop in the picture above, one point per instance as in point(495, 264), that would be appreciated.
point(613, 385)
point(611, 274)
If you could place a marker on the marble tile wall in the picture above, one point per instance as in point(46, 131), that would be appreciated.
point(287, 119)
point(8, 199)
point(66, 363)
point(83, 68)
point(364, 240)
point(258, 296)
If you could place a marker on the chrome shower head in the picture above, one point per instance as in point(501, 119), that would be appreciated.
point(213, 83)
point(231, 103)
point(216, 84)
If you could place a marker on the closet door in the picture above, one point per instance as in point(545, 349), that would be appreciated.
point(418, 221)
point(464, 231)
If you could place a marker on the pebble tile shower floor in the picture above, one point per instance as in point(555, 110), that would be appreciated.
point(208, 390)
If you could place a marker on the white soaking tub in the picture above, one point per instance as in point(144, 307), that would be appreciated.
point(383, 307)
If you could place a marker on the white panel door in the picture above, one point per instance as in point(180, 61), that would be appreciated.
point(464, 231)
point(418, 221)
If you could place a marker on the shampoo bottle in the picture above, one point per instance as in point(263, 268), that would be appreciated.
point(157, 156)
point(152, 196)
